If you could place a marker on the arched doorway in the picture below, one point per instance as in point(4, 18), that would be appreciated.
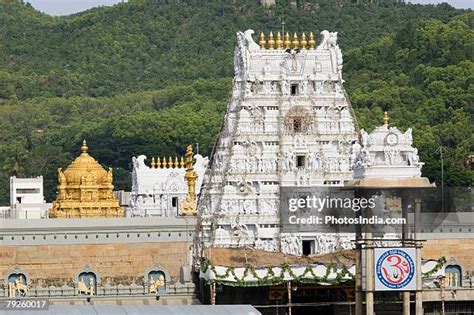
point(453, 275)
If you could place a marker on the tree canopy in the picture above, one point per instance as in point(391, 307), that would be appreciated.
point(149, 77)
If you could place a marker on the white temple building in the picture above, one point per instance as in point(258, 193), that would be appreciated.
point(289, 124)
point(27, 198)
point(159, 189)
point(386, 152)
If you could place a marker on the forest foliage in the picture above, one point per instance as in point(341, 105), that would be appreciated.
point(149, 77)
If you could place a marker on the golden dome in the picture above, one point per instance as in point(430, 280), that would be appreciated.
point(85, 190)
point(85, 166)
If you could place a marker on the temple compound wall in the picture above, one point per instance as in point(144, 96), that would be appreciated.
point(103, 257)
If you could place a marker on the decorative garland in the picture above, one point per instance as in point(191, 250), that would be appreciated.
point(440, 263)
point(271, 278)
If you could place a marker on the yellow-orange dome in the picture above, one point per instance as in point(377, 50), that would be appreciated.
point(85, 190)
point(85, 166)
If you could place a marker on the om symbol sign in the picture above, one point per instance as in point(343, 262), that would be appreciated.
point(395, 269)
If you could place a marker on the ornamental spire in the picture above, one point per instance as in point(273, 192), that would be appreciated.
point(287, 41)
point(303, 41)
point(295, 42)
point(312, 42)
point(262, 41)
point(279, 41)
point(84, 147)
point(385, 118)
point(188, 205)
point(271, 41)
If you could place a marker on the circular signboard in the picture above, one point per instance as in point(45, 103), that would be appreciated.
point(395, 269)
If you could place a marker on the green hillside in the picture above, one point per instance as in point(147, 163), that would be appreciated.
point(149, 77)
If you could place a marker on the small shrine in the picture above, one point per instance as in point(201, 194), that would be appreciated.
point(85, 190)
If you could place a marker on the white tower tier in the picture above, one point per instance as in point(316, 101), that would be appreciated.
point(289, 124)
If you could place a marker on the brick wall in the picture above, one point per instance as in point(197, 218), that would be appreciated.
point(110, 260)
point(459, 249)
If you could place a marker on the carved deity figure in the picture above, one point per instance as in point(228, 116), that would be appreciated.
point(314, 162)
point(365, 138)
point(355, 154)
point(285, 87)
point(413, 158)
point(82, 288)
point(289, 161)
point(155, 285)
point(304, 87)
point(17, 286)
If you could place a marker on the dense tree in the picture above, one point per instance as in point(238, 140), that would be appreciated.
point(149, 77)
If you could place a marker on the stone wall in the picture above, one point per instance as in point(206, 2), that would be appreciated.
point(109, 260)
point(50, 254)
point(457, 250)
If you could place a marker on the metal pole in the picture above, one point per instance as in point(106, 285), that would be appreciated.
point(419, 284)
point(405, 294)
point(358, 279)
point(369, 269)
point(289, 296)
point(442, 296)
point(213, 293)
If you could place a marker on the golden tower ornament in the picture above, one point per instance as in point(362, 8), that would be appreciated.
point(262, 41)
point(303, 41)
point(386, 119)
point(279, 41)
point(287, 41)
point(271, 41)
point(312, 42)
point(295, 42)
point(189, 205)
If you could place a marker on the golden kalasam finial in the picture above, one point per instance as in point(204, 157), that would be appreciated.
point(153, 165)
point(170, 162)
point(312, 42)
point(189, 205)
point(271, 41)
point(181, 163)
point(84, 147)
point(303, 41)
point(262, 42)
point(295, 42)
point(176, 162)
point(158, 162)
point(287, 41)
point(163, 164)
point(279, 41)
point(385, 118)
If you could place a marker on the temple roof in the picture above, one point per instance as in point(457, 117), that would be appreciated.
point(240, 257)
point(84, 165)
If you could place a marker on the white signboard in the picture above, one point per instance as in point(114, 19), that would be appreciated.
point(394, 269)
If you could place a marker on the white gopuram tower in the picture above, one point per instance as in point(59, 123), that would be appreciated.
point(289, 123)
